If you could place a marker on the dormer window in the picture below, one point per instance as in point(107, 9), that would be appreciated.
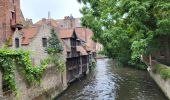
point(44, 42)
point(17, 42)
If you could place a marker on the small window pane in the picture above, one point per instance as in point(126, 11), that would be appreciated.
point(44, 42)
point(16, 42)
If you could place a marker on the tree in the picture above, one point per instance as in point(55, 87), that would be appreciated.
point(54, 46)
point(54, 49)
point(127, 28)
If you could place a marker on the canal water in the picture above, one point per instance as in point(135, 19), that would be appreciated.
point(109, 82)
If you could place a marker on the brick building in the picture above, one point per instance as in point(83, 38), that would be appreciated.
point(77, 57)
point(69, 22)
point(10, 18)
point(34, 39)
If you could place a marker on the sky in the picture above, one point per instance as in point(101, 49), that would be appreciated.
point(38, 9)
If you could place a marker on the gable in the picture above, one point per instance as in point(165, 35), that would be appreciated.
point(74, 35)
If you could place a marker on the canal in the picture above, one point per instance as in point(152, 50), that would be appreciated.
point(109, 82)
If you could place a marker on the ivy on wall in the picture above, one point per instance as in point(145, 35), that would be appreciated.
point(19, 59)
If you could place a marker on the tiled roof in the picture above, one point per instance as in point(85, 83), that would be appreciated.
point(81, 50)
point(65, 33)
point(28, 33)
point(51, 22)
point(83, 33)
point(87, 48)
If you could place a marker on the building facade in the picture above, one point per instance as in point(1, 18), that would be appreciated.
point(10, 18)
point(77, 57)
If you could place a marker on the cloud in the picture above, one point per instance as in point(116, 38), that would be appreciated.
point(37, 9)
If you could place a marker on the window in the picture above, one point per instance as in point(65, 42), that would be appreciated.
point(44, 42)
point(17, 42)
point(13, 15)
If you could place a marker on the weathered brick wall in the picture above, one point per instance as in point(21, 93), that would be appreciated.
point(6, 7)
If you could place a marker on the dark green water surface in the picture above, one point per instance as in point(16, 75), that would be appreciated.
point(108, 82)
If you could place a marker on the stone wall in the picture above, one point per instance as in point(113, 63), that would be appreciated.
point(162, 83)
point(37, 51)
point(52, 84)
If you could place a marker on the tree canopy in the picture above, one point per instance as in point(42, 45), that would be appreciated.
point(54, 45)
point(127, 28)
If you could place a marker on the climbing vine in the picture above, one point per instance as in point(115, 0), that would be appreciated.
point(19, 59)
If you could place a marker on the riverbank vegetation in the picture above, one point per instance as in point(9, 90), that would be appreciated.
point(127, 28)
point(162, 70)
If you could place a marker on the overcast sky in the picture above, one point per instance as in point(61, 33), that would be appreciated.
point(38, 9)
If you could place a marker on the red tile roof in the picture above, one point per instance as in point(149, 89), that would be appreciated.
point(66, 33)
point(28, 33)
point(84, 33)
point(51, 22)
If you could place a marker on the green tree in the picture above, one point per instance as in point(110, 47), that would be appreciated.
point(54, 49)
point(54, 46)
point(127, 28)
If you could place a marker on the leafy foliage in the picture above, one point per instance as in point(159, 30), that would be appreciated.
point(127, 28)
point(54, 49)
point(162, 70)
point(12, 59)
point(54, 45)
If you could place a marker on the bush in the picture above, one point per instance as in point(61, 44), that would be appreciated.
point(162, 70)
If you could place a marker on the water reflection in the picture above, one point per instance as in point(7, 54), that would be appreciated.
point(108, 82)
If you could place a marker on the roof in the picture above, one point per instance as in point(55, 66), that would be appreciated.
point(66, 33)
point(83, 33)
point(52, 22)
point(81, 50)
point(28, 33)
point(87, 48)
